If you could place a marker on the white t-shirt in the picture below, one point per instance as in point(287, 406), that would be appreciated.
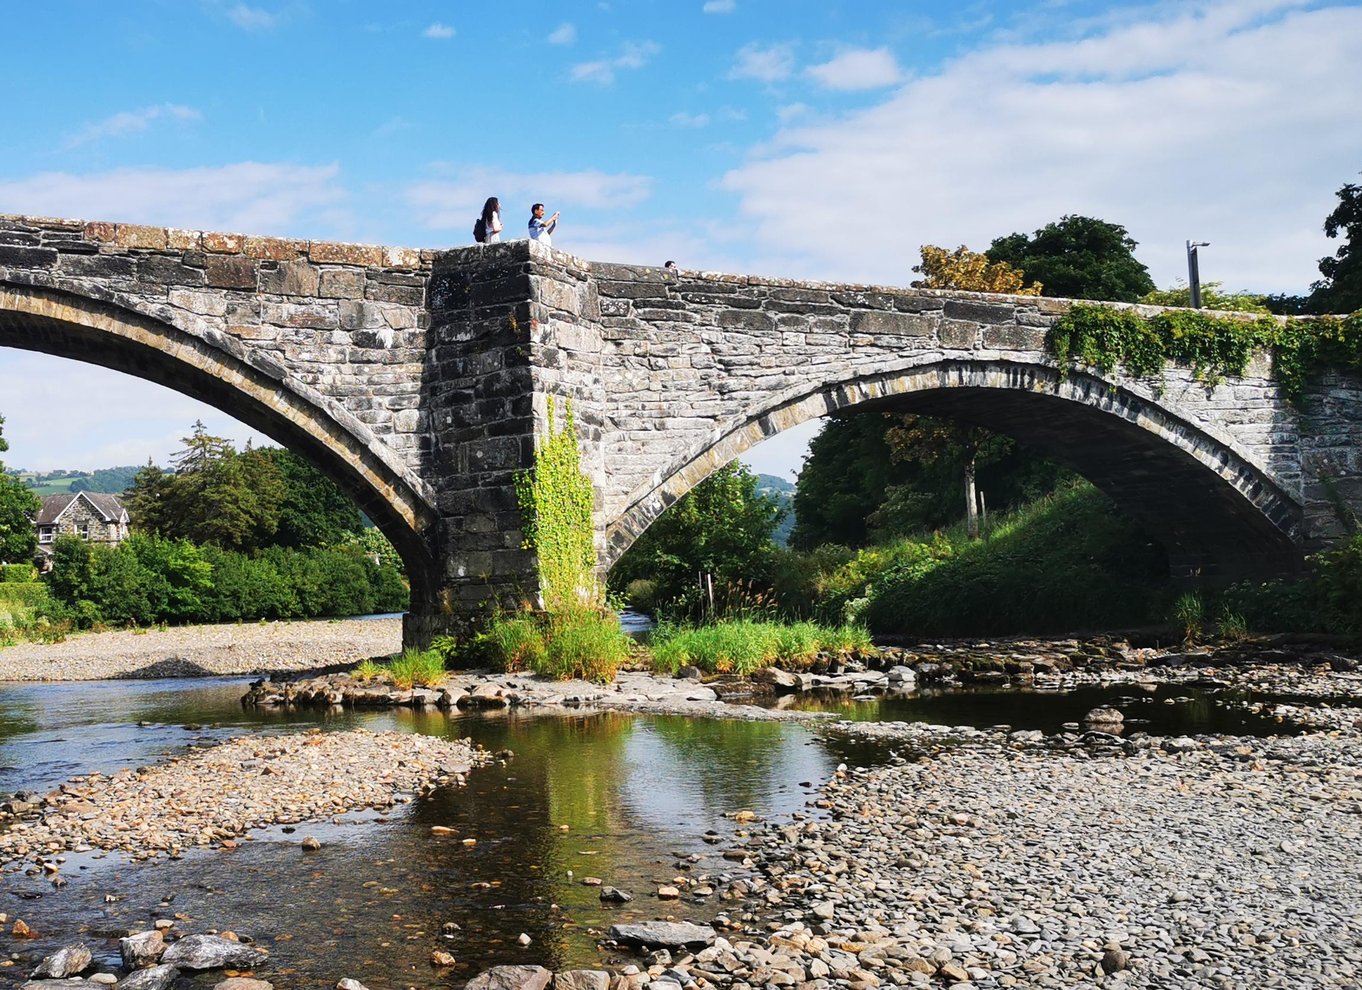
point(494, 228)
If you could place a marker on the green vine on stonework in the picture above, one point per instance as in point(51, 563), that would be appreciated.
point(1214, 346)
point(555, 499)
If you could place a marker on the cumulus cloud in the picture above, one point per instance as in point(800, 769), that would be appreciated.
point(448, 204)
point(766, 63)
point(129, 122)
point(248, 196)
point(720, 6)
point(683, 119)
point(438, 31)
point(251, 18)
point(858, 68)
point(563, 34)
point(632, 55)
point(1172, 124)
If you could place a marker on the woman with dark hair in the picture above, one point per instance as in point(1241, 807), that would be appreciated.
point(491, 220)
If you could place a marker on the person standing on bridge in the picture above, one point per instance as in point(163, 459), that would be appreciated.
point(541, 230)
point(491, 220)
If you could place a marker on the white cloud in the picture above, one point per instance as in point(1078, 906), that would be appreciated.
point(251, 18)
point(129, 122)
point(1233, 124)
point(254, 197)
point(683, 119)
point(720, 6)
point(451, 204)
point(438, 31)
point(632, 55)
point(563, 34)
point(790, 111)
point(858, 68)
point(767, 63)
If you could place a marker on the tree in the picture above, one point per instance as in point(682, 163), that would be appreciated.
point(149, 501)
point(928, 440)
point(1077, 258)
point(1211, 298)
point(18, 508)
point(1340, 291)
point(721, 527)
point(965, 270)
point(313, 511)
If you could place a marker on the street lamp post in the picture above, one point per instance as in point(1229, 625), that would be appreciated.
point(1194, 272)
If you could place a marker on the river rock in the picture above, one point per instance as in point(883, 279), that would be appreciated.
point(781, 680)
point(66, 961)
point(152, 978)
point(485, 695)
point(243, 983)
point(211, 952)
point(668, 934)
point(902, 675)
point(582, 979)
point(349, 984)
point(511, 978)
point(613, 895)
point(142, 949)
point(1103, 716)
point(73, 983)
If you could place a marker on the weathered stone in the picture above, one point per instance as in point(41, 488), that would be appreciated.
point(154, 978)
point(581, 979)
point(142, 949)
point(210, 952)
point(243, 983)
point(131, 235)
point(665, 934)
point(511, 978)
point(230, 272)
point(69, 960)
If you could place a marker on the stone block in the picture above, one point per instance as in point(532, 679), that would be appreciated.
point(178, 239)
point(99, 231)
point(327, 252)
point(877, 322)
point(137, 236)
point(341, 283)
point(403, 258)
point(1015, 338)
point(115, 266)
point(202, 303)
point(958, 334)
point(290, 278)
point(229, 271)
point(360, 315)
point(219, 243)
point(748, 318)
point(978, 312)
point(168, 271)
point(273, 248)
point(27, 257)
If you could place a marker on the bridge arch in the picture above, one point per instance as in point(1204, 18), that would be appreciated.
point(1216, 513)
point(124, 334)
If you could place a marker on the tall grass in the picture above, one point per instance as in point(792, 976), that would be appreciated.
point(581, 642)
point(741, 646)
point(417, 667)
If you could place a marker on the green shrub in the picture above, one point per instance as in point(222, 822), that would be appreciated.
point(18, 573)
point(518, 642)
point(583, 643)
point(368, 670)
point(32, 595)
point(1232, 626)
point(1338, 580)
point(1189, 612)
point(417, 667)
point(641, 594)
point(741, 646)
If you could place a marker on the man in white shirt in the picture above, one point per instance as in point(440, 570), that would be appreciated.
point(541, 230)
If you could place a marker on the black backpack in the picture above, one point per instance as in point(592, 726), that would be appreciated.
point(480, 230)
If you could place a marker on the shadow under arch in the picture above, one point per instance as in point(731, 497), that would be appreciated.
point(221, 371)
point(1217, 515)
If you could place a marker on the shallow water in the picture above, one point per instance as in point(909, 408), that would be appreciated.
point(637, 794)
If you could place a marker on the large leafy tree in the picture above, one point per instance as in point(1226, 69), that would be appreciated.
point(18, 507)
point(313, 512)
point(1340, 291)
point(1077, 258)
point(722, 527)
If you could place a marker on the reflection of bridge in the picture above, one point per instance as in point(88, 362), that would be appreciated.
point(418, 381)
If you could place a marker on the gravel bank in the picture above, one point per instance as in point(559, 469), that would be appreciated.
point(202, 651)
point(1231, 864)
point(215, 795)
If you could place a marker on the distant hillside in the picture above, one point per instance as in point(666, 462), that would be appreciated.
point(783, 492)
point(111, 481)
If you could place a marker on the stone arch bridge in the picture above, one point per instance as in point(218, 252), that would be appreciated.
point(418, 380)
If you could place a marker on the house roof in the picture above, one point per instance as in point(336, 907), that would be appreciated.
point(109, 507)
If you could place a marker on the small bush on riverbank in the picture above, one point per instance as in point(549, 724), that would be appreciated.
point(741, 646)
point(577, 642)
point(417, 667)
point(1327, 599)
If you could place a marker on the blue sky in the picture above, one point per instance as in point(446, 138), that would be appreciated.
point(816, 140)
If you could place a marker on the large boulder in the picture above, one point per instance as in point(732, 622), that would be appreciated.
point(779, 680)
point(66, 961)
point(211, 952)
point(665, 934)
point(142, 949)
point(582, 979)
point(511, 978)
